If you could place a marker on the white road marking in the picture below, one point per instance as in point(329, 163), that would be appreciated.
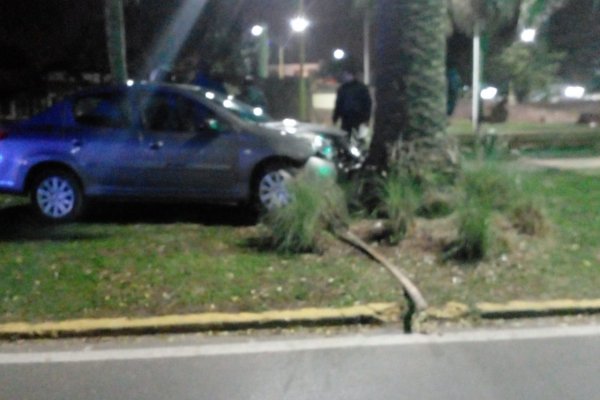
point(282, 346)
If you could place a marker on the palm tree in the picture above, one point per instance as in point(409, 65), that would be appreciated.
point(410, 119)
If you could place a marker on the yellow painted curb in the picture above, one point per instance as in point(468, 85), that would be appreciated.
point(381, 312)
point(450, 311)
point(524, 308)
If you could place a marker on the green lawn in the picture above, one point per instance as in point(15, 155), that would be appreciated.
point(463, 127)
point(134, 267)
point(536, 139)
point(564, 263)
point(140, 264)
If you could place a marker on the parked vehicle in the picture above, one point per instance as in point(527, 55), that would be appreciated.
point(349, 154)
point(155, 141)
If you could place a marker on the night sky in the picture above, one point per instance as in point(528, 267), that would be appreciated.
point(333, 24)
point(42, 31)
point(38, 35)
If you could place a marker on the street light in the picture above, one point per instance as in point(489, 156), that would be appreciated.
point(489, 93)
point(261, 33)
point(257, 30)
point(299, 25)
point(339, 54)
point(528, 35)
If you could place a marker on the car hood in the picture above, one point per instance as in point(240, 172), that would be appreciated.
point(305, 127)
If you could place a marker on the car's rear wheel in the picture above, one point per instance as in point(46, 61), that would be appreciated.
point(56, 196)
point(273, 187)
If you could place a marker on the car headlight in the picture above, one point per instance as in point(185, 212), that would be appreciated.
point(322, 147)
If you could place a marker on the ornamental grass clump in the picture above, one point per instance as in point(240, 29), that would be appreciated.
point(484, 188)
point(317, 206)
point(473, 241)
point(490, 186)
point(488, 189)
point(399, 197)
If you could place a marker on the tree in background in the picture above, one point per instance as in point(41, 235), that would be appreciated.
point(523, 68)
point(581, 45)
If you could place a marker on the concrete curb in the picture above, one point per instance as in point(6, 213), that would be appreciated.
point(369, 313)
point(517, 309)
point(513, 309)
point(375, 312)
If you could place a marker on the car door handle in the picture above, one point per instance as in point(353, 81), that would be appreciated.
point(156, 145)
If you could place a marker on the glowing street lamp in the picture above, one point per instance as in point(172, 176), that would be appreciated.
point(489, 93)
point(261, 33)
point(299, 24)
point(528, 35)
point(574, 92)
point(339, 54)
point(257, 30)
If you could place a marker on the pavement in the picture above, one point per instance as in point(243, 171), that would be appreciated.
point(374, 313)
point(557, 362)
point(571, 164)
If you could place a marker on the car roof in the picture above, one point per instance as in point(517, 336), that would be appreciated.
point(135, 85)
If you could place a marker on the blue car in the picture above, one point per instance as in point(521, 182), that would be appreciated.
point(156, 141)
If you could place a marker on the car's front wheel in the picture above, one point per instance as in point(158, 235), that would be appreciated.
point(273, 187)
point(56, 196)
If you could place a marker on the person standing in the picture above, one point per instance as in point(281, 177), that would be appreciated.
point(352, 103)
point(252, 94)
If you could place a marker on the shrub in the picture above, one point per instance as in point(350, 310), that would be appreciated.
point(317, 205)
point(400, 197)
point(437, 202)
point(487, 188)
point(473, 241)
point(490, 186)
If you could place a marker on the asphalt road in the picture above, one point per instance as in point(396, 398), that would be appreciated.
point(540, 363)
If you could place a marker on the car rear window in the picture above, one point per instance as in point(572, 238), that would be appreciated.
point(109, 111)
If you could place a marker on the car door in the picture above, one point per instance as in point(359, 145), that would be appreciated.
point(196, 151)
point(104, 143)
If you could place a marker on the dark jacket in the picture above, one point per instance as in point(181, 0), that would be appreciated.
point(353, 104)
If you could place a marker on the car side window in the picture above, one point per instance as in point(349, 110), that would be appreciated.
point(105, 110)
point(173, 113)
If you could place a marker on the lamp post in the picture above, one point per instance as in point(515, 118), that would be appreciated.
point(299, 25)
point(261, 32)
point(476, 84)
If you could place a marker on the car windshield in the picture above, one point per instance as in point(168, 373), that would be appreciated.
point(242, 110)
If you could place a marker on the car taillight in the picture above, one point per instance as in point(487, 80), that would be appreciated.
point(3, 134)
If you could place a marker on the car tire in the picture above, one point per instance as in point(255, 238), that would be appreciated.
point(272, 188)
point(56, 196)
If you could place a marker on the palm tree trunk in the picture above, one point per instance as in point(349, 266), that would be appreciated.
point(410, 119)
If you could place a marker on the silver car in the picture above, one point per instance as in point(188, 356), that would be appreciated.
point(156, 142)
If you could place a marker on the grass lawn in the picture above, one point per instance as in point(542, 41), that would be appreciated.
point(564, 263)
point(135, 263)
point(531, 139)
point(464, 127)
